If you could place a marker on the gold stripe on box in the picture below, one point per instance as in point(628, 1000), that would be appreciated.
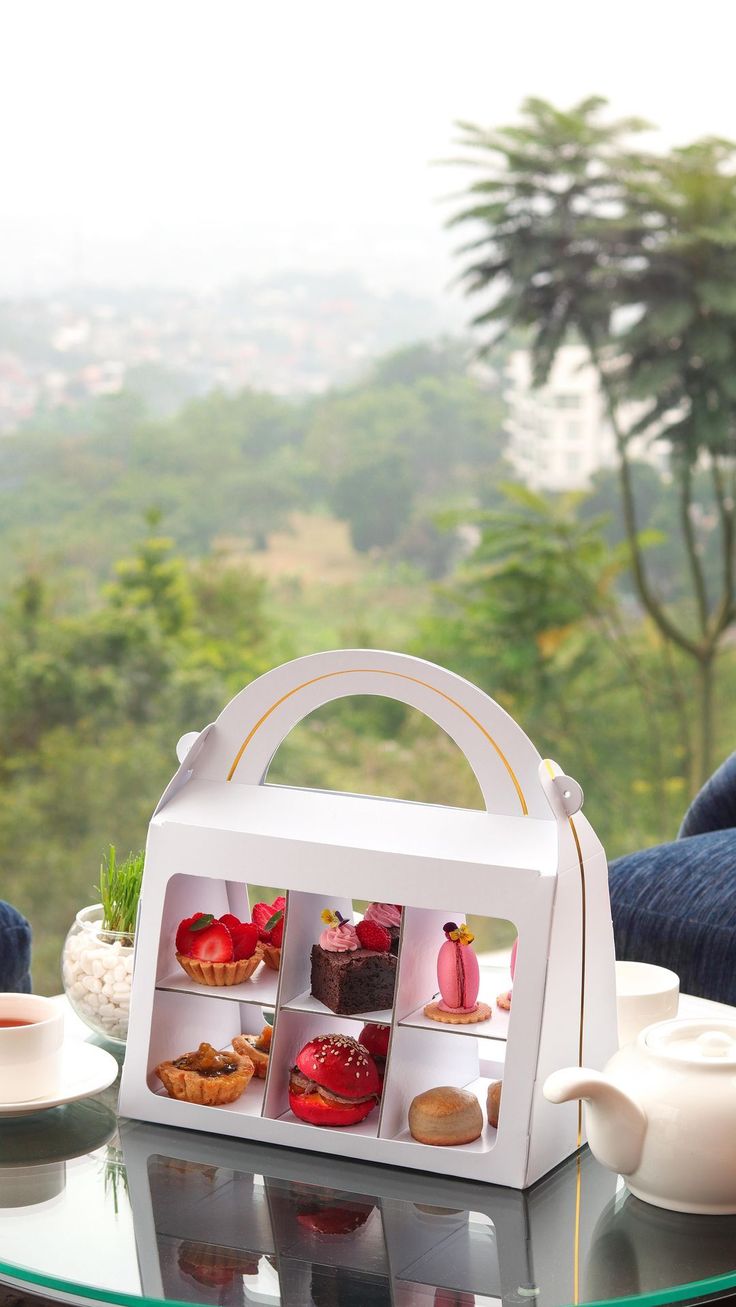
point(380, 671)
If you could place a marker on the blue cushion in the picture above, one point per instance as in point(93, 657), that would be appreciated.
point(15, 951)
point(714, 808)
point(675, 905)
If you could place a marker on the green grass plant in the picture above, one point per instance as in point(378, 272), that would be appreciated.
point(119, 891)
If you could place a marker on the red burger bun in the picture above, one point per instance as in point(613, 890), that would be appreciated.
point(375, 1040)
point(335, 1220)
point(339, 1064)
point(334, 1082)
point(315, 1110)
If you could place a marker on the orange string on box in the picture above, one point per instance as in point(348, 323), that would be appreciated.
point(378, 671)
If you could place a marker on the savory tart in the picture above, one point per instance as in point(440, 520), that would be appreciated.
point(208, 1077)
point(257, 1048)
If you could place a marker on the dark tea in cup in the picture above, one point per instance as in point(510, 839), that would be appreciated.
point(5, 1022)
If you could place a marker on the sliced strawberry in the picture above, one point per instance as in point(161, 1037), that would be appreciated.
point(230, 921)
point(213, 944)
point(245, 938)
point(263, 915)
point(277, 934)
point(373, 936)
point(185, 935)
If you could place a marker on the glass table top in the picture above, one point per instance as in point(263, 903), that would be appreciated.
point(124, 1212)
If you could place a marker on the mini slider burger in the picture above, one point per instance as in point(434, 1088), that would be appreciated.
point(375, 1041)
point(335, 1082)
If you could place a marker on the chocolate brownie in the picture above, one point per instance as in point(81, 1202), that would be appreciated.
point(360, 980)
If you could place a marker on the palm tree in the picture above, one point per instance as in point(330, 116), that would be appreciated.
point(572, 227)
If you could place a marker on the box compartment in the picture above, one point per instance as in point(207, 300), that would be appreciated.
point(186, 895)
point(293, 1031)
point(426, 1059)
point(181, 1022)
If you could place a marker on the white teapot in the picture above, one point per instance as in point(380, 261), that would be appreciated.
point(663, 1113)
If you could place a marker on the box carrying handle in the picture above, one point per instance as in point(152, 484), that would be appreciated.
point(250, 729)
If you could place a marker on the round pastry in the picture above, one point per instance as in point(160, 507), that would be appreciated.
point(257, 1048)
point(493, 1102)
point(445, 1116)
point(207, 1077)
point(334, 1082)
point(222, 952)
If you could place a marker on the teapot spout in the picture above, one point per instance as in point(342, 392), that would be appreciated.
point(616, 1123)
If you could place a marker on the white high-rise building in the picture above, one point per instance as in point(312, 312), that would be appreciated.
point(559, 434)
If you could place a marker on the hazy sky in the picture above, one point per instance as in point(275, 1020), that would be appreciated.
point(192, 141)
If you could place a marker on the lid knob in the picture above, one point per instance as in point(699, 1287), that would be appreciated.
point(715, 1043)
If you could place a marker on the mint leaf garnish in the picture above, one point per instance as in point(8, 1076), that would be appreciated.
point(205, 920)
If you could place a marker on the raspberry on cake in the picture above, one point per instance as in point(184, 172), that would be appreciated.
point(371, 935)
point(352, 969)
point(387, 915)
point(334, 1082)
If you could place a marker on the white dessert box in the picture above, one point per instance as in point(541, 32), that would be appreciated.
point(530, 858)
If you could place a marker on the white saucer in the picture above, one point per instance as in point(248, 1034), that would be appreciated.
point(86, 1069)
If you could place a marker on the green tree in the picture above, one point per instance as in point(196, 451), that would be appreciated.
point(154, 580)
point(570, 226)
point(396, 448)
point(534, 616)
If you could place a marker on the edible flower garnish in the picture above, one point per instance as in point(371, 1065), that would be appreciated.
point(331, 918)
point(459, 934)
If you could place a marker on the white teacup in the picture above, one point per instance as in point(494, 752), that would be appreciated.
point(30, 1054)
point(644, 994)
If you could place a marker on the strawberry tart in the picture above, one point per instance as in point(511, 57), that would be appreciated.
point(222, 951)
point(270, 919)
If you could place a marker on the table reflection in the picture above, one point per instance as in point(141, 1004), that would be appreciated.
point(35, 1149)
point(230, 1222)
point(185, 1217)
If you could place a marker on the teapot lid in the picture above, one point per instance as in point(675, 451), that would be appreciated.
point(700, 1041)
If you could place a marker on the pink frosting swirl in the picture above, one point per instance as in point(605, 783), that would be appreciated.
point(339, 939)
point(384, 914)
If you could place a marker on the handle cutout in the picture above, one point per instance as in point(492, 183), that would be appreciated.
point(368, 744)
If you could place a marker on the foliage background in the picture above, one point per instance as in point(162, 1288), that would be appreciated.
point(151, 567)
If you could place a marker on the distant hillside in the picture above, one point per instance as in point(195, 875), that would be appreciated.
point(418, 435)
